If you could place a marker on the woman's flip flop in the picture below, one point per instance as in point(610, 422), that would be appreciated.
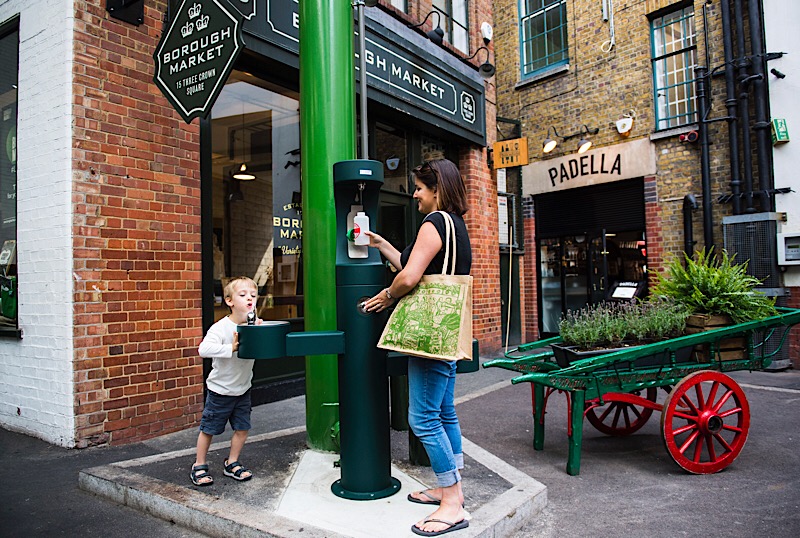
point(433, 500)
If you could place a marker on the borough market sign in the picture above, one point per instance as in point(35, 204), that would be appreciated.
point(196, 55)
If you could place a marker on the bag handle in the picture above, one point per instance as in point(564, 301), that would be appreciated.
point(449, 229)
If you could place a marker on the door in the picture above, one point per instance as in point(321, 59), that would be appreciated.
point(509, 301)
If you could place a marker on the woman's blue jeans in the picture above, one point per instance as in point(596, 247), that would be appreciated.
point(432, 416)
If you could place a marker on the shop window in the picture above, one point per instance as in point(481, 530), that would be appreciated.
point(543, 35)
point(9, 67)
point(455, 22)
point(674, 59)
point(258, 224)
point(391, 150)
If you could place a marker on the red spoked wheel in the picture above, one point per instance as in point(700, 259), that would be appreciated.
point(705, 422)
point(621, 418)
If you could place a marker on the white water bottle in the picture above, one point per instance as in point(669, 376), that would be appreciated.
point(361, 225)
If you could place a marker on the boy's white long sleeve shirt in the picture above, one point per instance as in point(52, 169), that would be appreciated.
point(230, 375)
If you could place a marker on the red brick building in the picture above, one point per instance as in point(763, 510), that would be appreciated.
point(128, 220)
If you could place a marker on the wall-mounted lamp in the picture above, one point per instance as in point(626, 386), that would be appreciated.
point(584, 143)
point(437, 34)
point(486, 70)
point(549, 144)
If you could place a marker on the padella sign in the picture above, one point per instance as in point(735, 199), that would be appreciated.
point(196, 55)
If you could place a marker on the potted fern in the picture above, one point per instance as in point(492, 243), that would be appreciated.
point(719, 293)
point(714, 286)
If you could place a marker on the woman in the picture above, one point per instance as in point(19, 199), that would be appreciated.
point(431, 408)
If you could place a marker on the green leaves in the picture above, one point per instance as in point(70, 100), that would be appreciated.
point(714, 285)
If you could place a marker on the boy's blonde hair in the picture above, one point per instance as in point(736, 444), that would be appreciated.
point(234, 283)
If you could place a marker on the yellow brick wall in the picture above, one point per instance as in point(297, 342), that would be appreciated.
point(600, 87)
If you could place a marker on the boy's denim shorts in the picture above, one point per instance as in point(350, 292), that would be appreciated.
point(220, 410)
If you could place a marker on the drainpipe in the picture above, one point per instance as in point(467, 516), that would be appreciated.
point(762, 123)
point(689, 204)
point(730, 104)
point(701, 76)
point(743, 76)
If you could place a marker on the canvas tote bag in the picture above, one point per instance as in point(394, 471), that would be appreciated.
point(434, 320)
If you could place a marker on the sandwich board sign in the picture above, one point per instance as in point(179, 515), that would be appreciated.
point(196, 55)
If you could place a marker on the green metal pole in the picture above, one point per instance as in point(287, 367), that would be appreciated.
point(574, 456)
point(538, 416)
point(327, 135)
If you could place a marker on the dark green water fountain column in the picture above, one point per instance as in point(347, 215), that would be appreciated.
point(363, 384)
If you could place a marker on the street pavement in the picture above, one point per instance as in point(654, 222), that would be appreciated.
point(626, 485)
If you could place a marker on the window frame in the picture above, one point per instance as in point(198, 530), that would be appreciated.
point(664, 120)
point(401, 5)
point(9, 28)
point(523, 40)
point(448, 23)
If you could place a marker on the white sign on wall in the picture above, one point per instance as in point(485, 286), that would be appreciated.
point(602, 165)
point(502, 220)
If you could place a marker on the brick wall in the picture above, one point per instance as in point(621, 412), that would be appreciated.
point(481, 221)
point(598, 89)
point(136, 238)
point(530, 305)
point(36, 371)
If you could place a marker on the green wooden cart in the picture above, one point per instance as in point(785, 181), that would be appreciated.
point(705, 416)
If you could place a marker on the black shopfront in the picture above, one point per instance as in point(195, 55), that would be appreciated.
point(419, 103)
point(590, 221)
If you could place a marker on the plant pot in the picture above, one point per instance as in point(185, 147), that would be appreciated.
point(729, 349)
point(565, 355)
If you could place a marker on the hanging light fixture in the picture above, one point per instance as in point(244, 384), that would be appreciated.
point(241, 172)
point(486, 70)
point(437, 34)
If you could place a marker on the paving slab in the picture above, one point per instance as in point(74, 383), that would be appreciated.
point(290, 492)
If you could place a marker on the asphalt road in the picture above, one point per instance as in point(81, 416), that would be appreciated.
point(627, 485)
point(630, 485)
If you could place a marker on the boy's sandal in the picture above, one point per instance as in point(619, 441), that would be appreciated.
point(235, 470)
point(201, 476)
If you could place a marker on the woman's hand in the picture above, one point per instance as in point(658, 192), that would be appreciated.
point(380, 302)
point(375, 240)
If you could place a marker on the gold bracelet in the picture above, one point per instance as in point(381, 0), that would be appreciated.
point(389, 295)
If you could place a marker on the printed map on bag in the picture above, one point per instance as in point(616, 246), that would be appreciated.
point(428, 320)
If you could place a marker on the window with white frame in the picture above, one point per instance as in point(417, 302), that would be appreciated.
point(454, 21)
point(543, 35)
point(674, 57)
point(402, 5)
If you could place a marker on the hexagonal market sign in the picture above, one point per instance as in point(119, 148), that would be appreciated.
point(246, 7)
point(196, 55)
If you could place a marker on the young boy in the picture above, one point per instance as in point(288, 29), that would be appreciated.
point(228, 384)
